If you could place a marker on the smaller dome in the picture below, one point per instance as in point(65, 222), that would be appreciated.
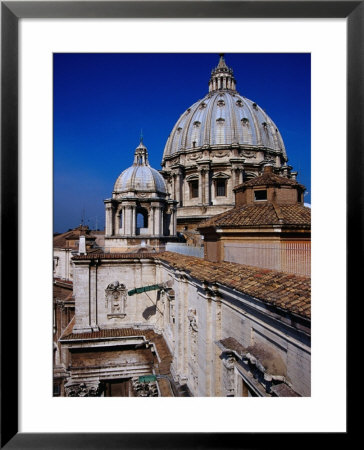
point(140, 177)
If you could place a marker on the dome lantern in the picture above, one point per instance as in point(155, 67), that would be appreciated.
point(141, 155)
point(222, 77)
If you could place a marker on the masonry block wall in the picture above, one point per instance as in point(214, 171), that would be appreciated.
point(193, 317)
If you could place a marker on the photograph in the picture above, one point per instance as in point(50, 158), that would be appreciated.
point(181, 224)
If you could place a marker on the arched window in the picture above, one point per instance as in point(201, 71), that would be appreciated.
point(141, 219)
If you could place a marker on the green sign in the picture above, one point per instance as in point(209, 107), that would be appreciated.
point(147, 379)
point(144, 289)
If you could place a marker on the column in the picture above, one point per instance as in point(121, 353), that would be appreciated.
point(177, 187)
point(127, 220)
point(200, 186)
point(207, 187)
point(240, 175)
point(158, 221)
point(133, 221)
point(162, 220)
point(181, 187)
point(123, 209)
point(173, 188)
point(117, 222)
point(234, 177)
point(152, 216)
point(108, 220)
point(177, 192)
point(173, 224)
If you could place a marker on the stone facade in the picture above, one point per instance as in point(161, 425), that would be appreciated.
point(221, 341)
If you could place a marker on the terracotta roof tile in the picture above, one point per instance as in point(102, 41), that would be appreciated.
point(62, 290)
point(115, 256)
point(268, 179)
point(275, 288)
point(163, 353)
point(286, 291)
point(62, 240)
point(261, 215)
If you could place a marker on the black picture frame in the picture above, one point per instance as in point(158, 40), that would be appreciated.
point(11, 12)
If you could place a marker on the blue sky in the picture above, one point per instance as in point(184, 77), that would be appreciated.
point(103, 101)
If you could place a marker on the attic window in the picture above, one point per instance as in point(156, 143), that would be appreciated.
point(196, 124)
point(221, 103)
point(179, 129)
point(260, 195)
point(255, 106)
point(220, 120)
point(264, 124)
point(239, 103)
point(203, 105)
point(244, 121)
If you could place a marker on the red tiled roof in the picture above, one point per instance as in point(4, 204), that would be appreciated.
point(62, 281)
point(61, 240)
point(116, 256)
point(289, 292)
point(268, 179)
point(62, 289)
point(261, 215)
point(164, 355)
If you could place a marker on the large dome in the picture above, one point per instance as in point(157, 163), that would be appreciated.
point(224, 118)
point(140, 177)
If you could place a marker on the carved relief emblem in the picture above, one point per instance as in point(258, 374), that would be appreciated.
point(220, 153)
point(191, 315)
point(248, 154)
point(82, 389)
point(194, 156)
point(115, 299)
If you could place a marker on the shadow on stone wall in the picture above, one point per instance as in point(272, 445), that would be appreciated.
point(149, 312)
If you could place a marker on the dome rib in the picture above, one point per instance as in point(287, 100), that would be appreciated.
point(263, 130)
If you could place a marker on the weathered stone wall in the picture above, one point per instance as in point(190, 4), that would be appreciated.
point(62, 264)
point(93, 309)
point(193, 318)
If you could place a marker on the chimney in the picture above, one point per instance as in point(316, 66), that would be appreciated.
point(268, 168)
point(82, 246)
